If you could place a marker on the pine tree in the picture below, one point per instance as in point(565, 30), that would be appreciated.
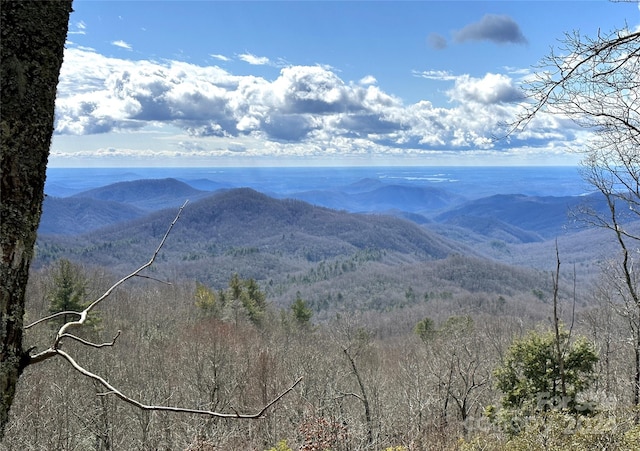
point(69, 290)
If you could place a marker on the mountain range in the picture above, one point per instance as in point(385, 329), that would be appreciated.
point(350, 237)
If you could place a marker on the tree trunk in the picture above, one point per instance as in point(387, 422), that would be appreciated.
point(33, 37)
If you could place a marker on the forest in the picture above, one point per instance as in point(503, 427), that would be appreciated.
point(276, 325)
point(400, 338)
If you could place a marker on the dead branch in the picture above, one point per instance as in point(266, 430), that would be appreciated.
point(114, 391)
point(94, 345)
point(86, 311)
point(62, 333)
point(50, 317)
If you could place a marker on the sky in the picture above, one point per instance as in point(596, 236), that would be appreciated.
point(304, 83)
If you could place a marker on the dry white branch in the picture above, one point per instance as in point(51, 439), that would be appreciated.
point(50, 317)
point(114, 391)
point(86, 311)
point(94, 345)
point(62, 333)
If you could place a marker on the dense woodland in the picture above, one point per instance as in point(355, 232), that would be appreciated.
point(399, 342)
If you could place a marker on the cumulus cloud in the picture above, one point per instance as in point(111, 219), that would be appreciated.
point(491, 89)
point(494, 28)
point(368, 80)
point(304, 110)
point(122, 44)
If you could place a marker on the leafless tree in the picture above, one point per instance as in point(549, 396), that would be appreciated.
point(595, 82)
point(64, 333)
point(33, 36)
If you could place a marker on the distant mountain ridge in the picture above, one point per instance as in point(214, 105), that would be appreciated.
point(546, 216)
point(290, 245)
point(512, 218)
point(152, 194)
point(375, 196)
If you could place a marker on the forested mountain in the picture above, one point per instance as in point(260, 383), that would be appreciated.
point(146, 194)
point(512, 218)
point(408, 304)
point(339, 260)
point(546, 216)
point(244, 218)
point(76, 215)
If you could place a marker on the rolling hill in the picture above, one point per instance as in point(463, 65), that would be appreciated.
point(337, 260)
point(546, 216)
point(149, 195)
point(74, 216)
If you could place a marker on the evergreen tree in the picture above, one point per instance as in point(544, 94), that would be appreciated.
point(69, 290)
point(530, 378)
point(301, 311)
point(207, 301)
point(425, 329)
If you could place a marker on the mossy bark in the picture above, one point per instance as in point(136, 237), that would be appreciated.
point(33, 34)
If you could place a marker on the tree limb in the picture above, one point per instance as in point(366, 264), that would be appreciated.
point(62, 333)
point(114, 391)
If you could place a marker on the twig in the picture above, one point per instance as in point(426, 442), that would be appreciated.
point(93, 345)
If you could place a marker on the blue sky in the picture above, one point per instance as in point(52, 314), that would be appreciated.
point(211, 83)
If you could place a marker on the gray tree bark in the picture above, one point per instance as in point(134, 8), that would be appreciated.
point(33, 34)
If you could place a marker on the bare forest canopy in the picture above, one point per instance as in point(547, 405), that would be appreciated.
point(364, 306)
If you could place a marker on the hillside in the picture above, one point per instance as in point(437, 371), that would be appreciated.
point(524, 216)
point(150, 194)
point(338, 260)
point(74, 216)
point(374, 196)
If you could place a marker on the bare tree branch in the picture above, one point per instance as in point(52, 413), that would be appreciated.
point(86, 311)
point(50, 317)
point(63, 333)
point(114, 391)
point(94, 345)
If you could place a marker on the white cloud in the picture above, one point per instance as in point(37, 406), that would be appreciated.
point(304, 111)
point(491, 89)
point(220, 57)
point(368, 80)
point(77, 28)
point(254, 60)
point(122, 44)
point(435, 75)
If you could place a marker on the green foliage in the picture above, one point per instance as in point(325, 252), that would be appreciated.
point(207, 301)
point(68, 292)
point(425, 329)
point(253, 300)
point(242, 297)
point(301, 311)
point(530, 376)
